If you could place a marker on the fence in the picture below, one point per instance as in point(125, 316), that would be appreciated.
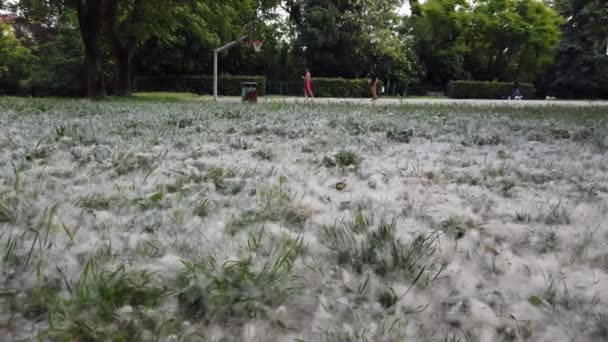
point(284, 88)
point(296, 88)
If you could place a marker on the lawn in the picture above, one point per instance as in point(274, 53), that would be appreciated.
point(181, 220)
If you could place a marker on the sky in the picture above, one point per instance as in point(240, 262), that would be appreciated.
point(405, 9)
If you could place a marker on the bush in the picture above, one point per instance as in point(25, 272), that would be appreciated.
point(62, 70)
point(323, 87)
point(340, 87)
point(16, 62)
point(486, 90)
point(227, 85)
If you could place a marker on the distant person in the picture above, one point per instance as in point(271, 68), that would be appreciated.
point(516, 94)
point(307, 84)
point(373, 86)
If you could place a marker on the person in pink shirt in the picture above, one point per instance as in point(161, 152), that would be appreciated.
point(307, 84)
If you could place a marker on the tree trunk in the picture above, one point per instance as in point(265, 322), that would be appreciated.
point(122, 78)
point(123, 47)
point(95, 83)
point(90, 23)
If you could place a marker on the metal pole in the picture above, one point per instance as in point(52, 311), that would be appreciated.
point(215, 76)
point(215, 53)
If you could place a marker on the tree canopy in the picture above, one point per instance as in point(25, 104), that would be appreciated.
point(350, 38)
point(558, 45)
point(581, 67)
point(485, 39)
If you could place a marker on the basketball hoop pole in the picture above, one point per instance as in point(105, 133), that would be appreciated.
point(247, 37)
point(215, 53)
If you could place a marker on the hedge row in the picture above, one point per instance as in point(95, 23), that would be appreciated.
point(227, 85)
point(231, 85)
point(340, 87)
point(486, 90)
point(322, 87)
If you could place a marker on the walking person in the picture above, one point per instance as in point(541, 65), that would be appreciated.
point(373, 86)
point(307, 84)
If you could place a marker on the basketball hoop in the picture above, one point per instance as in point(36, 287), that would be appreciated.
point(257, 45)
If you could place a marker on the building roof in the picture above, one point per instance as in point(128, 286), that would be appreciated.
point(7, 18)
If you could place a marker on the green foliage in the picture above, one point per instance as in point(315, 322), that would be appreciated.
point(355, 244)
point(535, 300)
point(486, 90)
point(92, 311)
point(231, 85)
point(274, 204)
point(242, 288)
point(16, 61)
point(227, 85)
point(493, 39)
point(340, 87)
point(438, 28)
point(126, 163)
point(202, 208)
point(512, 39)
point(201, 26)
point(326, 87)
point(581, 68)
point(347, 158)
point(219, 177)
point(96, 202)
point(62, 69)
point(443, 40)
point(351, 38)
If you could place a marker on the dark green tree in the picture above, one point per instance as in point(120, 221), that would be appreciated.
point(438, 26)
point(62, 68)
point(208, 25)
point(204, 23)
point(581, 65)
point(121, 26)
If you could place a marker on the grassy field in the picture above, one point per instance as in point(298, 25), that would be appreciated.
point(174, 219)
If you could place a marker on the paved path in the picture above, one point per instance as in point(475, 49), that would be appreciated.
point(427, 101)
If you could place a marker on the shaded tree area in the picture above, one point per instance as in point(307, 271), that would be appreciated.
point(189, 50)
point(94, 47)
point(351, 38)
point(17, 61)
point(111, 31)
point(581, 64)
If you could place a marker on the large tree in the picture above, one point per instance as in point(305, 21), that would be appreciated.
point(581, 66)
point(438, 26)
point(131, 23)
point(125, 25)
point(16, 60)
point(349, 38)
point(89, 14)
point(484, 39)
point(90, 22)
point(511, 39)
point(207, 25)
